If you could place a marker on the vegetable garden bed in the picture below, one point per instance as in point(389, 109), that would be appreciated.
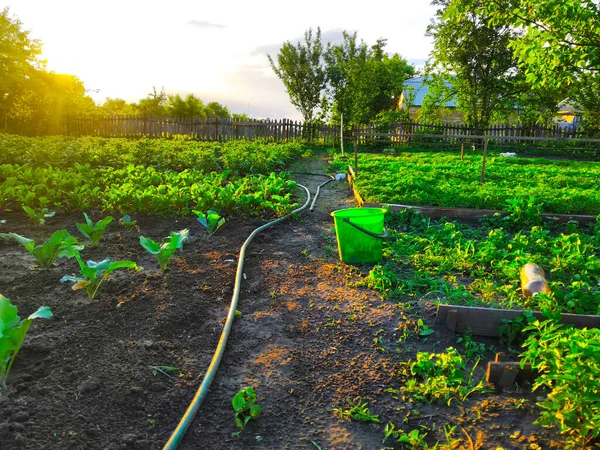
point(323, 352)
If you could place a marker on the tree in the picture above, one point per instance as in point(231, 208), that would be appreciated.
point(19, 59)
point(473, 57)
point(214, 109)
point(119, 107)
point(154, 104)
point(586, 93)
point(191, 106)
point(559, 39)
point(300, 67)
point(363, 81)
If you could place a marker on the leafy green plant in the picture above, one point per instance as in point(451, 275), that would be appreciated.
point(60, 245)
point(93, 274)
point(440, 378)
point(164, 251)
point(38, 217)
point(12, 334)
point(568, 364)
point(128, 224)
point(245, 407)
point(414, 439)
point(511, 330)
point(357, 411)
point(212, 220)
point(524, 212)
point(94, 232)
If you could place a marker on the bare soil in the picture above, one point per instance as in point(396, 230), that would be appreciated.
point(308, 341)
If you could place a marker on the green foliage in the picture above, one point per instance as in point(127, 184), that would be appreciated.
point(558, 40)
point(164, 177)
point(164, 251)
point(12, 334)
point(511, 330)
point(94, 232)
point(568, 362)
point(484, 77)
point(442, 179)
point(440, 378)
point(301, 70)
point(128, 224)
point(363, 81)
point(212, 220)
point(60, 245)
point(93, 274)
point(524, 212)
point(38, 217)
point(245, 407)
point(357, 410)
point(414, 439)
point(458, 264)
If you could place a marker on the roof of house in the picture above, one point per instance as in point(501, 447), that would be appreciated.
point(420, 89)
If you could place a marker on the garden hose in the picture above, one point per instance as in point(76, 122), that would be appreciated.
point(312, 206)
point(202, 391)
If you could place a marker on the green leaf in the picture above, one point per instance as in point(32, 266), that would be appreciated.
point(150, 245)
point(8, 315)
point(43, 312)
point(29, 244)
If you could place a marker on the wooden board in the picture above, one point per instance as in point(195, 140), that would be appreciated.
point(504, 374)
point(351, 176)
point(472, 214)
point(487, 321)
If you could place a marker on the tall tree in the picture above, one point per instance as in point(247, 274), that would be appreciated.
point(473, 56)
point(363, 81)
point(19, 59)
point(154, 104)
point(558, 40)
point(300, 67)
point(215, 109)
point(190, 106)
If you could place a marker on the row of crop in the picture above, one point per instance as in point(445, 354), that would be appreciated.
point(91, 276)
point(145, 190)
point(241, 157)
point(442, 179)
point(457, 264)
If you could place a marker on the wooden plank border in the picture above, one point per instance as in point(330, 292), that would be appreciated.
point(351, 177)
point(472, 214)
point(487, 321)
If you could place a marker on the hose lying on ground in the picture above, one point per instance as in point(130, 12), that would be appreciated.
point(202, 391)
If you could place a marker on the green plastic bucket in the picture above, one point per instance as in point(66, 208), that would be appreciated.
point(360, 233)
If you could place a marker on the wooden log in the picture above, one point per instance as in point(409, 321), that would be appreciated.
point(487, 321)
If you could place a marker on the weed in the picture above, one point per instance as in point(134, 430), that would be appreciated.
point(356, 411)
point(439, 378)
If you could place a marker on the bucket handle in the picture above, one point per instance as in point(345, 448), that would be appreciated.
point(370, 233)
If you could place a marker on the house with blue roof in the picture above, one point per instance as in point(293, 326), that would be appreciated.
point(415, 90)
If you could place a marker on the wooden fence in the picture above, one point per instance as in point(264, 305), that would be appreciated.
point(285, 129)
point(199, 128)
point(456, 133)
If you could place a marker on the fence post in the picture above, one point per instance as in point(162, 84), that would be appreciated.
point(342, 133)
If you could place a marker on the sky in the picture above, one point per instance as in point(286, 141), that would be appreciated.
point(215, 49)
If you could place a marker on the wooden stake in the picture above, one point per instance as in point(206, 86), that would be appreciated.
point(462, 151)
point(485, 147)
point(342, 133)
point(355, 153)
